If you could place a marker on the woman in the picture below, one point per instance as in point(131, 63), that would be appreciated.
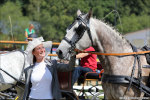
point(30, 32)
point(41, 76)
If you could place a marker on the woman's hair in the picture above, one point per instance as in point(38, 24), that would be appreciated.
point(31, 25)
point(34, 58)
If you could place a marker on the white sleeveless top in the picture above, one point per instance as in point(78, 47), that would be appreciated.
point(41, 80)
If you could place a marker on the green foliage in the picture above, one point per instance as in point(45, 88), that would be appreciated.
point(5, 37)
point(134, 23)
point(55, 15)
point(11, 16)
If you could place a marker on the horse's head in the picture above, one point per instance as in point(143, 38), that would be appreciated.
point(78, 36)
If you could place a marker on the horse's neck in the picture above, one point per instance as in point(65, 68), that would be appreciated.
point(109, 41)
point(13, 63)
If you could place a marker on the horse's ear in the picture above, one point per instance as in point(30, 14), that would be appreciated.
point(78, 12)
point(89, 15)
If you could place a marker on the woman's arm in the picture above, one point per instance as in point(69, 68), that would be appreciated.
point(26, 35)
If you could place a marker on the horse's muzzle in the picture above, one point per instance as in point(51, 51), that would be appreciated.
point(59, 53)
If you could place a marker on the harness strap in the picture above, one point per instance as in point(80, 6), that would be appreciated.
point(132, 74)
point(90, 36)
point(121, 79)
point(139, 65)
point(139, 70)
point(141, 86)
point(12, 76)
point(67, 40)
point(115, 79)
point(113, 54)
point(21, 76)
point(81, 19)
point(87, 27)
point(133, 69)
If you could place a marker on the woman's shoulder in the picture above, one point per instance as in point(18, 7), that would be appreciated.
point(33, 30)
point(26, 29)
point(28, 68)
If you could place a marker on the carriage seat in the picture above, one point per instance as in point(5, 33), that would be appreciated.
point(65, 83)
point(94, 75)
point(91, 75)
point(65, 80)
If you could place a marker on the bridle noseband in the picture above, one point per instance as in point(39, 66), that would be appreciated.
point(86, 28)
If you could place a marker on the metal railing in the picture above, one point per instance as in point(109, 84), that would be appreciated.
point(25, 43)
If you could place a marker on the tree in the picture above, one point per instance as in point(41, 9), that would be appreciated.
point(11, 14)
point(53, 16)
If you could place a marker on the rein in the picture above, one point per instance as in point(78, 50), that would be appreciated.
point(113, 54)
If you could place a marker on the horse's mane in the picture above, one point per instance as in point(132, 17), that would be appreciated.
point(110, 27)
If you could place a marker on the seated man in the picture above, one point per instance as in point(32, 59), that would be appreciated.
point(88, 63)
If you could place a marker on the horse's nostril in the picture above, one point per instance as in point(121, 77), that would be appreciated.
point(59, 52)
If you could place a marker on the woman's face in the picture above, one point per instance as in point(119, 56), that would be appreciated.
point(39, 51)
point(31, 27)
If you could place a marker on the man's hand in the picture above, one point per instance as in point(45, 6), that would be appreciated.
point(81, 55)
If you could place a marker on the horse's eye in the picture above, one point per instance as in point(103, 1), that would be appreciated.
point(75, 29)
point(80, 29)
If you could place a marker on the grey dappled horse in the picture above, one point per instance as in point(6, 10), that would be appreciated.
point(12, 65)
point(86, 31)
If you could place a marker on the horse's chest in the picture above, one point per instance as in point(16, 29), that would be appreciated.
point(113, 91)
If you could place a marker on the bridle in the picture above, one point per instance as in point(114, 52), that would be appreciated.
point(20, 80)
point(79, 33)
